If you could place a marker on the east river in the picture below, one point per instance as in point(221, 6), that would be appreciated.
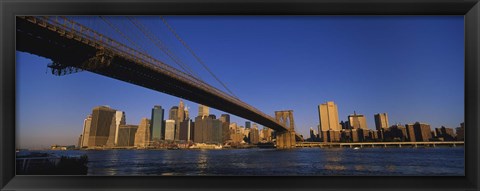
point(440, 161)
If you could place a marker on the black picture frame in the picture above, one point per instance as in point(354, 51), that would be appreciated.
point(8, 9)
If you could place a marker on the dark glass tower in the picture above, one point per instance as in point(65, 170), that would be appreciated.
point(157, 128)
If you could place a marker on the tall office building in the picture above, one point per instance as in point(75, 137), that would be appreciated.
point(207, 130)
point(254, 135)
point(329, 124)
point(186, 128)
point(445, 133)
point(126, 135)
point(267, 134)
point(248, 124)
point(86, 131)
point(157, 127)
point(381, 121)
point(120, 119)
point(142, 136)
point(225, 119)
point(173, 113)
point(180, 118)
point(460, 131)
point(102, 119)
point(200, 122)
point(216, 135)
point(181, 111)
point(187, 113)
point(169, 130)
point(419, 132)
point(203, 111)
point(357, 121)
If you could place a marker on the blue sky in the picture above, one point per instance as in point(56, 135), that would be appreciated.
point(411, 67)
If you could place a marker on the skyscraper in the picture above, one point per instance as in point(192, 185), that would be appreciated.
point(142, 136)
point(460, 131)
point(247, 124)
point(185, 130)
point(203, 111)
point(120, 119)
point(187, 113)
point(357, 121)
point(225, 119)
point(198, 129)
point(381, 121)
point(180, 118)
point(173, 113)
point(254, 135)
point(329, 124)
point(102, 119)
point(169, 130)
point(419, 132)
point(126, 135)
point(157, 128)
point(86, 131)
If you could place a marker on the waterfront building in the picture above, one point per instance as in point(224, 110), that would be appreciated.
point(126, 135)
point(381, 121)
point(157, 127)
point(355, 135)
point(120, 119)
point(225, 120)
point(169, 130)
point(460, 131)
point(236, 136)
point(246, 131)
point(217, 131)
point(254, 137)
point(346, 135)
point(329, 124)
point(419, 132)
point(445, 133)
point(344, 125)
point(395, 133)
point(185, 130)
point(86, 131)
point(203, 111)
point(200, 123)
point(410, 132)
point(103, 117)
point(142, 136)
point(357, 121)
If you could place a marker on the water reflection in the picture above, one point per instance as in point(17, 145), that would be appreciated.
point(202, 159)
point(298, 162)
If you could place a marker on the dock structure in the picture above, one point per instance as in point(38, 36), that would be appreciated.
point(380, 144)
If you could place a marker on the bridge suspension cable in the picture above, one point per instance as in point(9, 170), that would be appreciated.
point(162, 47)
point(122, 34)
point(195, 55)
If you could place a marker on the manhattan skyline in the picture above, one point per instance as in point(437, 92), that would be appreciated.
point(409, 67)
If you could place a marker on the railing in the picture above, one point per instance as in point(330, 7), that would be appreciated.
point(71, 29)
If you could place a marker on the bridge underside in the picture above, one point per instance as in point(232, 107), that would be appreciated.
point(43, 42)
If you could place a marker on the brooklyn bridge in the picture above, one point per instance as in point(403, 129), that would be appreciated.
point(74, 47)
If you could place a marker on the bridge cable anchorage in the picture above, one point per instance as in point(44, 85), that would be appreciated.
point(159, 44)
point(122, 34)
point(195, 55)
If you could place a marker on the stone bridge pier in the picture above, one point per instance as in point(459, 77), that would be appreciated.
point(285, 139)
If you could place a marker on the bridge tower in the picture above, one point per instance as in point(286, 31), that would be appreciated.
point(285, 139)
